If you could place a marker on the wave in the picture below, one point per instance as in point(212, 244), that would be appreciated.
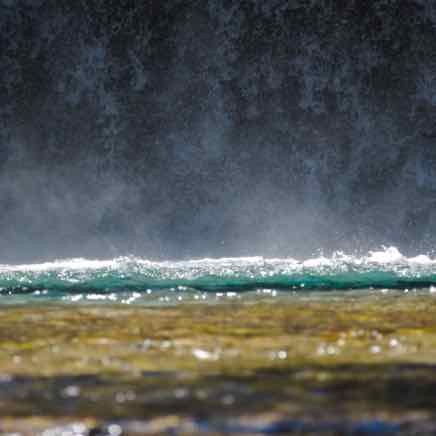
point(381, 269)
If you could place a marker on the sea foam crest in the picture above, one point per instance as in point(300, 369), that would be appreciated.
point(384, 268)
point(388, 255)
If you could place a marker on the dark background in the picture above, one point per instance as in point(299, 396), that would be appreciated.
point(173, 129)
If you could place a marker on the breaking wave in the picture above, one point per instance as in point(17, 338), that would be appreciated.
point(381, 269)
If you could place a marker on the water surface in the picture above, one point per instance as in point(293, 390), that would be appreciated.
point(141, 347)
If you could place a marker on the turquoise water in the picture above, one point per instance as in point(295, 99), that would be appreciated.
point(133, 277)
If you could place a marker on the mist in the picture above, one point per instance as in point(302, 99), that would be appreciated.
point(178, 129)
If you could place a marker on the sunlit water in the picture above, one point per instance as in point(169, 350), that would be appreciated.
point(234, 345)
point(135, 280)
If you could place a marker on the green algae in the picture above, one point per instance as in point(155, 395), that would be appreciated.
point(315, 358)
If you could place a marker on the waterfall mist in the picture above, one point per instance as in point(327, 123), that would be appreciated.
point(176, 129)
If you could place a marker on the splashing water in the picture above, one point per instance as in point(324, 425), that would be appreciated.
point(382, 269)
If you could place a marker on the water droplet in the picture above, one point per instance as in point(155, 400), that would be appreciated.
point(375, 349)
point(71, 391)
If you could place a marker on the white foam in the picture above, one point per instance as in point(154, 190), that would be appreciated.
point(388, 256)
point(69, 264)
point(317, 262)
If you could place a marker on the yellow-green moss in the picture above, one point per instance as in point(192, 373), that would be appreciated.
point(271, 354)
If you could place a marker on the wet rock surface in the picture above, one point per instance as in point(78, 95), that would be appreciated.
point(296, 365)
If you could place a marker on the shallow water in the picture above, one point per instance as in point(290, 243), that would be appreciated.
point(89, 360)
